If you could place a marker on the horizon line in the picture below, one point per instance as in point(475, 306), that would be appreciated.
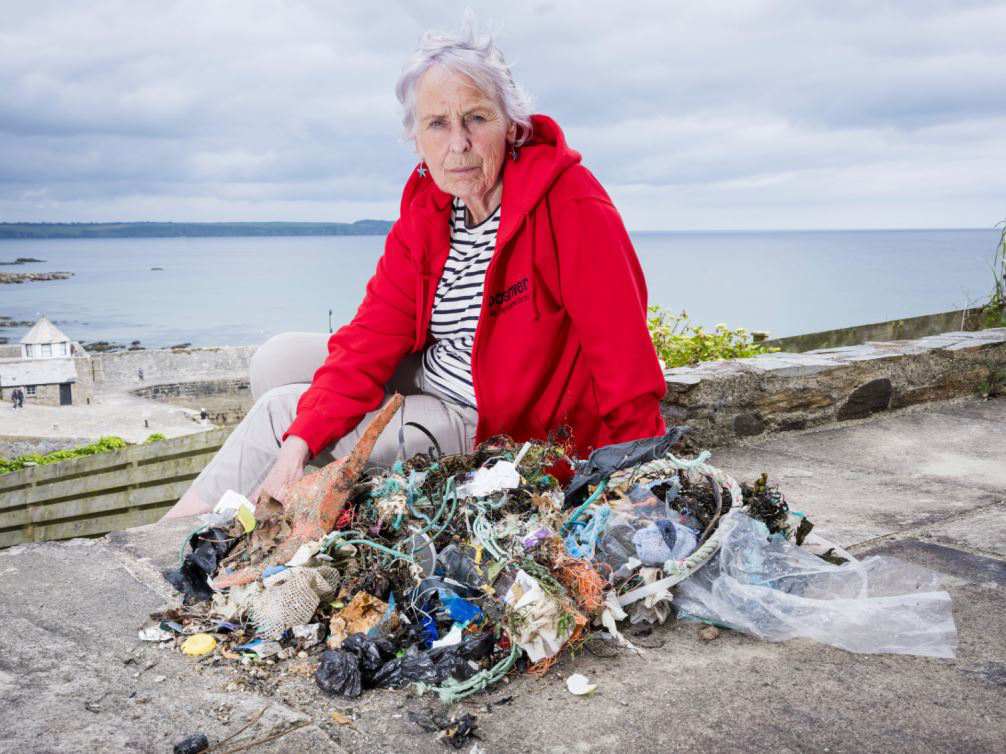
point(38, 223)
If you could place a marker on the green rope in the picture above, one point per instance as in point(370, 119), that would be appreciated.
point(369, 543)
point(586, 503)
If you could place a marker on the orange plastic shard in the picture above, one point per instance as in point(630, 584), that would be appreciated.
point(312, 508)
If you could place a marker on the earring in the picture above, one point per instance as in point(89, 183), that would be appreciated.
point(513, 153)
point(421, 170)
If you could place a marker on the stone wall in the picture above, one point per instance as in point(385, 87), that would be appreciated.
point(726, 400)
point(226, 401)
point(906, 328)
point(119, 370)
point(194, 389)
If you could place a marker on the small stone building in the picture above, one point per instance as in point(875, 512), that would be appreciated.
point(47, 370)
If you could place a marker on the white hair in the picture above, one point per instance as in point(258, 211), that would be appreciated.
point(474, 55)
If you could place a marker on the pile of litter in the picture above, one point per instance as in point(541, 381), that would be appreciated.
point(447, 573)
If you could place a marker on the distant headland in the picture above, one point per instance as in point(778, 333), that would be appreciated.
point(171, 230)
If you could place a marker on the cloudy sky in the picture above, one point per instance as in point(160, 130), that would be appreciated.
point(733, 114)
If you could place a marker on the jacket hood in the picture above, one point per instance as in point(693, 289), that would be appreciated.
point(540, 162)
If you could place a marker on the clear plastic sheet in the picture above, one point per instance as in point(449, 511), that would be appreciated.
point(771, 588)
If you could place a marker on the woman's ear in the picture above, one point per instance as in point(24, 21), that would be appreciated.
point(511, 133)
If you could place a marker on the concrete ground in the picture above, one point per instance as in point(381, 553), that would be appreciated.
point(929, 487)
point(119, 414)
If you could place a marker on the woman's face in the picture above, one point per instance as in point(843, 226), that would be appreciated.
point(461, 134)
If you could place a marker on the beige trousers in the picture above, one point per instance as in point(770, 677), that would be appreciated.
point(280, 371)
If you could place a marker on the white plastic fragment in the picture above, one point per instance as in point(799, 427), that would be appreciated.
point(230, 501)
point(487, 481)
point(311, 633)
point(154, 633)
point(449, 639)
point(580, 685)
point(613, 613)
point(304, 553)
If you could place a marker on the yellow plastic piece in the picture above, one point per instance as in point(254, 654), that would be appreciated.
point(247, 518)
point(198, 645)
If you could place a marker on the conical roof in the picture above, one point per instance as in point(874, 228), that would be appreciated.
point(44, 331)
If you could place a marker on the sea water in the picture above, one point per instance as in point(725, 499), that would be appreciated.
point(240, 291)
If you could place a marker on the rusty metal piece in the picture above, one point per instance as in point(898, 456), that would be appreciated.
point(313, 505)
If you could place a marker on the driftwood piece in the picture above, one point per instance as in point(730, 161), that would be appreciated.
point(313, 505)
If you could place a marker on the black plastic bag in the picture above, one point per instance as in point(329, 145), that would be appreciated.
point(339, 674)
point(437, 665)
point(603, 462)
point(373, 654)
point(410, 667)
point(194, 744)
point(208, 549)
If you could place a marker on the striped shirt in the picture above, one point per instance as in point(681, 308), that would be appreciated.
point(457, 304)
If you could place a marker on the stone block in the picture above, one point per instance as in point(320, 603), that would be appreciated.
point(790, 398)
point(867, 399)
point(748, 425)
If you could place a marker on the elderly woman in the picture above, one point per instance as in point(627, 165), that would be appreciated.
point(509, 300)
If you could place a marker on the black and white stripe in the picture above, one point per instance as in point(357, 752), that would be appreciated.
point(447, 363)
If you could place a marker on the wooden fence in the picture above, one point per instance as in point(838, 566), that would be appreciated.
point(93, 495)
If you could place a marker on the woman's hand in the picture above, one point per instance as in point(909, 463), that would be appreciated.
point(289, 468)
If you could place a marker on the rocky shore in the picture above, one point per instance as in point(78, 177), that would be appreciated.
point(7, 322)
point(17, 278)
point(23, 260)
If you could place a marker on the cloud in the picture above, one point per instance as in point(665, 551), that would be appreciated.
point(752, 114)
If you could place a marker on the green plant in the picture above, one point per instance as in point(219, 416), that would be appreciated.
point(994, 311)
point(155, 437)
point(994, 383)
point(103, 445)
point(679, 342)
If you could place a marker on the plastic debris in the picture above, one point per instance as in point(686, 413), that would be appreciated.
point(310, 634)
point(540, 635)
point(604, 461)
point(455, 730)
point(339, 674)
point(580, 685)
point(663, 540)
point(260, 648)
point(490, 480)
point(208, 549)
point(769, 587)
point(198, 645)
point(449, 639)
point(194, 744)
point(154, 633)
point(418, 578)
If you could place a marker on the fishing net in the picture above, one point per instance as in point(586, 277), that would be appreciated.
point(291, 599)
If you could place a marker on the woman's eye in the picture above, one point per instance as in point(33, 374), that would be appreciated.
point(436, 124)
point(477, 118)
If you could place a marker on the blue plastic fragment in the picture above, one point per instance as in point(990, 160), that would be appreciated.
point(273, 569)
point(462, 611)
point(430, 632)
point(251, 646)
point(226, 626)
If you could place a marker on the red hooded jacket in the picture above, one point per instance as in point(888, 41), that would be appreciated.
point(562, 338)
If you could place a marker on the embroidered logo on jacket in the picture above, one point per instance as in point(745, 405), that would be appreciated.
point(508, 298)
